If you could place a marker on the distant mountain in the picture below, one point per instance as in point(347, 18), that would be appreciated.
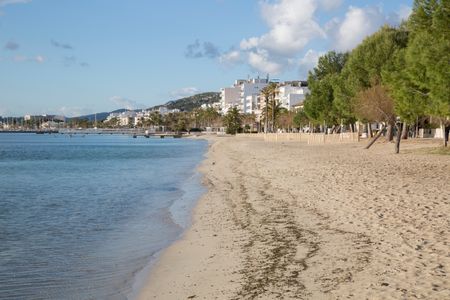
point(192, 102)
point(183, 104)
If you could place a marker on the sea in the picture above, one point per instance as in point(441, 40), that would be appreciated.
point(86, 216)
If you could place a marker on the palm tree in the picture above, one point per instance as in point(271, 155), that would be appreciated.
point(233, 120)
point(269, 93)
point(274, 110)
point(210, 115)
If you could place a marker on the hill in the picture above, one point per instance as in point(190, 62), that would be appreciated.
point(191, 102)
point(183, 104)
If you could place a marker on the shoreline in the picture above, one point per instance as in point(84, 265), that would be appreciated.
point(196, 231)
point(290, 221)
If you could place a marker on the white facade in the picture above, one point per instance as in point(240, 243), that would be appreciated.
point(230, 97)
point(250, 90)
point(163, 110)
point(216, 105)
point(124, 118)
point(243, 94)
point(291, 95)
point(249, 104)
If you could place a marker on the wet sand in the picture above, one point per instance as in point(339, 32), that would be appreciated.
point(292, 221)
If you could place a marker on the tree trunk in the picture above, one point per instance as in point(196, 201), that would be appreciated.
point(416, 134)
point(273, 114)
point(376, 137)
point(446, 135)
point(390, 133)
point(266, 121)
point(405, 131)
point(369, 131)
point(398, 137)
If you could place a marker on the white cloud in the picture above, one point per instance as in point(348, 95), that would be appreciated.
point(291, 26)
point(309, 61)
point(250, 43)
point(6, 2)
point(126, 103)
point(22, 58)
point(39, 59)
point(184, 92)
point(230, 58)
point(358, 24)
point(260, 61)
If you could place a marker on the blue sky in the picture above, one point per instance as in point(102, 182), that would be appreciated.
point(83, 56)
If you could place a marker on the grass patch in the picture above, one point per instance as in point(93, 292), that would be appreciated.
point(434, 150)
point(440, 150)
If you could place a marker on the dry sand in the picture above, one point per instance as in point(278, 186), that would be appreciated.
point(292, 221)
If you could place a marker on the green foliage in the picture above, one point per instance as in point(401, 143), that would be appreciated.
point(180, 125)
point(206, 117)
point(272, 111)
point(269, 115)
point(428, 54)
point(80, 123)
point(330, 63)
point(300, 119)
point(233, 121)
point(367, 61)
point(409, 100)
point(371, 64)
point(319, 105)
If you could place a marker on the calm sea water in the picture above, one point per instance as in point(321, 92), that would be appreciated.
point(82, 217)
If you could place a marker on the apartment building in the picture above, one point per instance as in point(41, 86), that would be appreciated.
point(243, 94)
point(292, 94)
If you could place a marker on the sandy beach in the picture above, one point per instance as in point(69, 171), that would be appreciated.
point(293, 221)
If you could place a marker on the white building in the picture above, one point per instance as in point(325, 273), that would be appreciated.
point(125, 118)
point(243, 94)
point(216, 105)
point(250, 91)
point(291, 94)
point(163, 110)
point(230, 97)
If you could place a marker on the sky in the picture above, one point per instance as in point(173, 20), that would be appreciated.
point(76, 57)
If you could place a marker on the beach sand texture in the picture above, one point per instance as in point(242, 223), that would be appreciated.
point(292, 221)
